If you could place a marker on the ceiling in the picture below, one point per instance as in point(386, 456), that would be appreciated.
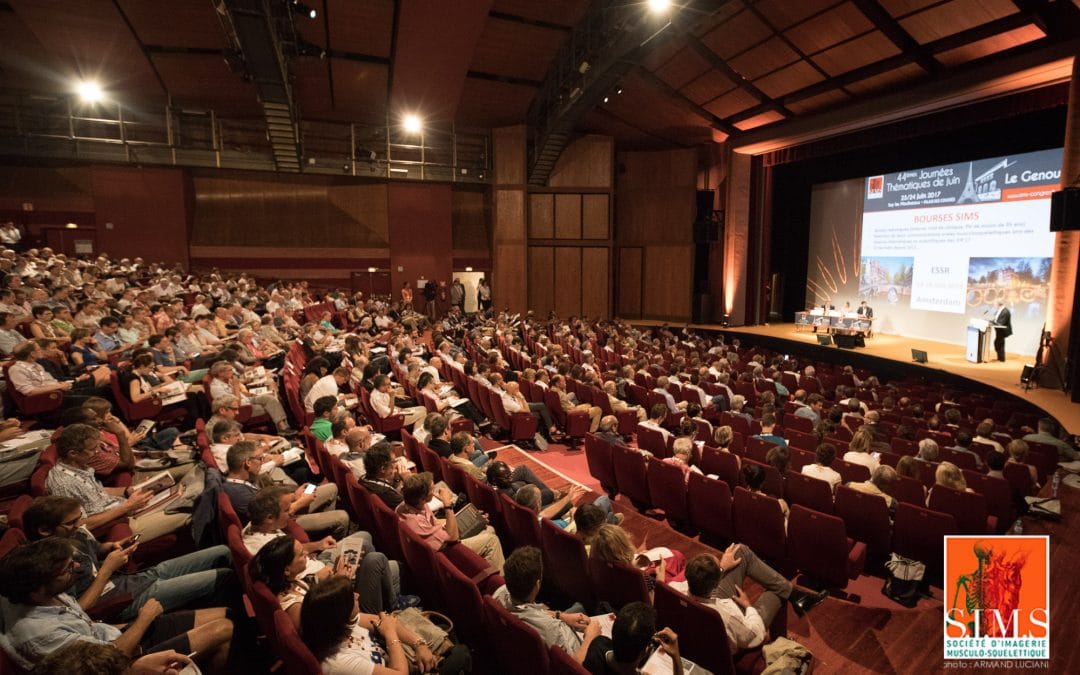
point(741, 65)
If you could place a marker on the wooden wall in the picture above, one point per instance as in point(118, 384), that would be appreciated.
point(471, 223)
point(509, 247)
point(570, 233)
point(654, 216)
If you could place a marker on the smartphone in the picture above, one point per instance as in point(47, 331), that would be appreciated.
point(310, 489)
point(134, 538)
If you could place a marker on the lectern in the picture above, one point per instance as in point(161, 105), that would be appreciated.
point(978, 343)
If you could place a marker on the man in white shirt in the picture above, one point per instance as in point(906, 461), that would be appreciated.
point(822, 470)
point(717, 584)
point(327, 385)
point(382, 402)
point(661, 388)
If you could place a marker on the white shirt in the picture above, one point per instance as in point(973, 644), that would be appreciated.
point(822, 473)
point(382, 403)
point(744, 631)
point(864, 458)
point(324, 386)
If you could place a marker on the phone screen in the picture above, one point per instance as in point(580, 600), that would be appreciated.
point(309, 489)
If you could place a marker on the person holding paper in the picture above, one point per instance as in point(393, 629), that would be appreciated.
point(571, 630)
point(1002, 328)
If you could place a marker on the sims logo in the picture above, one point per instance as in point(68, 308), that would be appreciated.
point(875, 187)
point(1000, 597)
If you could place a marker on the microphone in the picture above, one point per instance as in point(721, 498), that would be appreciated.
point(986, 311)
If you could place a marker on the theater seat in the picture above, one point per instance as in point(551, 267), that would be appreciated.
point(297, 658)
point(598, 457)
point(866, 518)
point(820, 548)
point(813, 493)
point(517, 642)
point(630, 472)
point(709, 505)
point(617, 584)
point(759, 523)
point(968, 508)
point(919, 534)
point(667, 490)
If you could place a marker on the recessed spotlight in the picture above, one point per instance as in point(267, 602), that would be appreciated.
point(412, 123)
point(659, 6)
point(72, 226)
point(372, 270)
point(89, 91)
point(618, 91)
point(301, 8)
point(605, 99)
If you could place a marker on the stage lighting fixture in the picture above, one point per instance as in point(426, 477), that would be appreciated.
point(301, 8)
point(605, 99)
point(89, 91)
point(372, 270)
point(659, 6)
point(412, 123)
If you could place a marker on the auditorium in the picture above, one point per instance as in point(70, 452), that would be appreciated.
point(539, 336)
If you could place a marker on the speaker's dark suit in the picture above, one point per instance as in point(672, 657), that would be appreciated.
point(1002, 330)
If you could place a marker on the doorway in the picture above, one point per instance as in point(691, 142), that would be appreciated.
point(470, 280)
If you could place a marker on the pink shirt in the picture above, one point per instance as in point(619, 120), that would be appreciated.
point(423, 522)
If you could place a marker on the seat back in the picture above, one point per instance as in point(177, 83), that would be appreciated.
point(667, 489)
point(656, 442)
point(562, 663)
point(909, 490)
point(630, 474)
point(851, 472)
point(421, 561)
point(702, 636)
point(564, 559)
point(759, 523)
point(598, 457)
point(386, 529)
point(813, 493)
point(12, 538)
point(709, 509)
point(429, 459)
point(517, 643)
point(968, 508)
point(724, 465)
point(998, 494)
point(919, 534)
point(866, 519)
point(616, 583)
point(463, 601)
point(264, 604)
point(295, 655)
point(819, 546)
point(240, 555)
point(522, 523)
point(1019, 478)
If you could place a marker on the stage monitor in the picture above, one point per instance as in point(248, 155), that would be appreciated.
point(918, 356)
point(824, 340)
point(929, 248)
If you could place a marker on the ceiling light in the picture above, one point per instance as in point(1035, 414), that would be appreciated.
point(468, 269)
point(372, 270)
point(618, 91)
point(605, 99)
point(72, 226)
point(89, 91)
point(301, 8)
point(412, 123)
point(659, 6)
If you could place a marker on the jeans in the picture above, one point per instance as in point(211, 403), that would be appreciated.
point(777, 588)
point(479, 458)
point(195, 578)
point(378, 579)
point(523, 475)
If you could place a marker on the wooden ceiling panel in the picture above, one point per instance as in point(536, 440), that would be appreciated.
point(785, 13)
point(742, 32)
point(892, 78)
point(516, 49)
point(486, 104)
point(722, 15)
point(763, 59)
point(311, 87)
point(91, 40)
point(645, 107)
point(25, 63)
point(662, 54)
point(826, 30)
point(707, 87)
point(185, 24)
point(361, 27)
point(686, 66)
point(953, 17)
point(786, 80)
point(186, 77)
point(829, 99)
point(629, 137)
point(759, 120)
point(563, 12)
point(360, 90)
point(870, 48)
point(900, 8)
point(733, 102)
point(991, 45)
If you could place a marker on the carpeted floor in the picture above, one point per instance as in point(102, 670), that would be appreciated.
point(872, 635)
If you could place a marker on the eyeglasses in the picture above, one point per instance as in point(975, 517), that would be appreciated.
point(73, 522)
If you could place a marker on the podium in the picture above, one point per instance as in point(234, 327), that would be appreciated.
point(977, 344)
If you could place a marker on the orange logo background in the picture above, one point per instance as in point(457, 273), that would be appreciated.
point(1034, 584)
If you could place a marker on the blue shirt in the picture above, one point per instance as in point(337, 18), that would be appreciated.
point(107, 343)
point(34, 632)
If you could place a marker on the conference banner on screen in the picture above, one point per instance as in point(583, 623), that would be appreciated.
point(928, 248)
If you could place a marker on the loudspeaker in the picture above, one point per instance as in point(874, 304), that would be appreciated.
point(824, 340)
point(1065, 210)
point(1025, 375)
point(918, 356)
point(847, 341)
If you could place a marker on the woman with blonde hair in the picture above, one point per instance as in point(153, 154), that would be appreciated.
point(1018, 452)
point(859, 450)
point(722, 437)
point(949, 475)
point(612, 544)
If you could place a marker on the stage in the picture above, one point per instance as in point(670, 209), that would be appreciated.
point(894, 353)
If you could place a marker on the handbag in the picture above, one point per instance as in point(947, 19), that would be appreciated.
point(434, 628)
point(904, 578)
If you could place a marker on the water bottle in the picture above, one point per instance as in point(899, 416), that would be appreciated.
point(1054, 484)
point(1018, 526)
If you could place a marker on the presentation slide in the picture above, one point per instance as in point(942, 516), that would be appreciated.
point(930, 248)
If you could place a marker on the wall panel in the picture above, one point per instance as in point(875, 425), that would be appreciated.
point(628, 289)
point(421, 235)
point(595, 278)
point(585, 163)
point(541, 280)
point(510, 215)
point(542, 216)
point(594, 216)
point(568, 216)
point(668, 282)
point(567, 281)
point(471, 223)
